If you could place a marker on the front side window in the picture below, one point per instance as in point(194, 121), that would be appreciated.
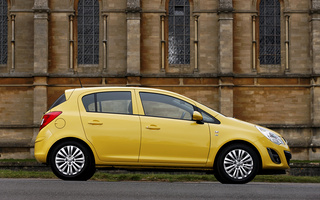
point(88, 32)
point(108, 102)
point(3, 32)
point(269, 32)
point(179, 32)
point(207, 118)
point(158, 105)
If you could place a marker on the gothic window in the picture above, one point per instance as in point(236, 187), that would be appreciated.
point(3, 32)
point(179, 32)
point(269, 32)
point(88, 32)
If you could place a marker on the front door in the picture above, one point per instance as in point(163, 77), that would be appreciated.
point(169, 135)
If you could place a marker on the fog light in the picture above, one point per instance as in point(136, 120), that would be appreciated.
point(274, 156)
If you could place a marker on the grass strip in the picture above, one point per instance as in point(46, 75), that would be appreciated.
point(6, 173)
point(17, 160)
point(104, 176)
point(153, 177)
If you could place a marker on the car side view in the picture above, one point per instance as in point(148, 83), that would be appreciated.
point(132, 127)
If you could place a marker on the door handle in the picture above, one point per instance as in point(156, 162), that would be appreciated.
point(95, 122)
point(152, 127)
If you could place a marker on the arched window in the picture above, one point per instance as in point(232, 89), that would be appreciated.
point(3, 32)
point(179, 32)
point(88, 32)
point(269, 32)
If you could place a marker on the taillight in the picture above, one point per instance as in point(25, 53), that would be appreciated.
point(47, 118)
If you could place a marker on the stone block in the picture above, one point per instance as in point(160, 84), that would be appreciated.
point(272, 105)
point(150, 43)
point(133, 46)
point(16, 105)
point(16, 137)
point(59, 43)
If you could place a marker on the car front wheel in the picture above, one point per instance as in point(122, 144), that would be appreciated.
point(72, 161)
point(237, 163)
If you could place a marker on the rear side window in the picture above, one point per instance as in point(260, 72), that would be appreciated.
point(108, 102)
point(59, 101)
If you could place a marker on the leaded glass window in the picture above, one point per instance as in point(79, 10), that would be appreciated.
point(88, 32)
point(179, 32)
point(3, 32)
point(269, 32)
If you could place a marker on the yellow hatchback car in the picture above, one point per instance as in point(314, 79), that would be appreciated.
point(143, 128)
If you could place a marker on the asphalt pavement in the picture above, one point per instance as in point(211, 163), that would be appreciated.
point(42, 189)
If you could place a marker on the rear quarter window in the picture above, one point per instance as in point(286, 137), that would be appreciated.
point(59, 101)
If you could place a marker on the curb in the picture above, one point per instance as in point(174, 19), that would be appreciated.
point(304, 169)
point(32, 166)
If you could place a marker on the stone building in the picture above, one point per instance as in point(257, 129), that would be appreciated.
point(256, 60)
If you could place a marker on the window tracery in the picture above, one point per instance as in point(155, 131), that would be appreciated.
point(88, 32)
point(179, 32)
point(269, 32)
point(3, 32)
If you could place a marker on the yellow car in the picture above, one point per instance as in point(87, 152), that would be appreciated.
point(143, 128)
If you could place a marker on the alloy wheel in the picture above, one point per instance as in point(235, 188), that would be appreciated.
point(70, 160)
point(238, 164)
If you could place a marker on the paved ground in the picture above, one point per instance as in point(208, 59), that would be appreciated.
point(40, 189)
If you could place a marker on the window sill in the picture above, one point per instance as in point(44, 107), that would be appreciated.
point(179, 65)
point(89, 66)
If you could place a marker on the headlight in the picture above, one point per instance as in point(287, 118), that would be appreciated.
point(271, 135)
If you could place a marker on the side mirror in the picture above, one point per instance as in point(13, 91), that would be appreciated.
point(197, 117)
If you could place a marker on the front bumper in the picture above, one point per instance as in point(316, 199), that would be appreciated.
point(273, 156)
point(288, 156)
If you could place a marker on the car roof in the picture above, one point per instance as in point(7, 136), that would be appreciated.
point(114, 87)
point(88, 89)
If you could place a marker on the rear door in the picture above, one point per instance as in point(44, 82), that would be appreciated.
point(110, 125)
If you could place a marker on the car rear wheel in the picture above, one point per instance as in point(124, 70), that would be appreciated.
point(237, 163)
point(72, 161)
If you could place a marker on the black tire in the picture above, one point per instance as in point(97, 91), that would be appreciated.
point(71, 160)
point(236, 164)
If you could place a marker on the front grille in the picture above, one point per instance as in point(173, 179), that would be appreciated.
point(274, 156)
point(288, 156)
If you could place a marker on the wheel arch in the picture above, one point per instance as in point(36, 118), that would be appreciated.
point(69, 139)
point(238, 142)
